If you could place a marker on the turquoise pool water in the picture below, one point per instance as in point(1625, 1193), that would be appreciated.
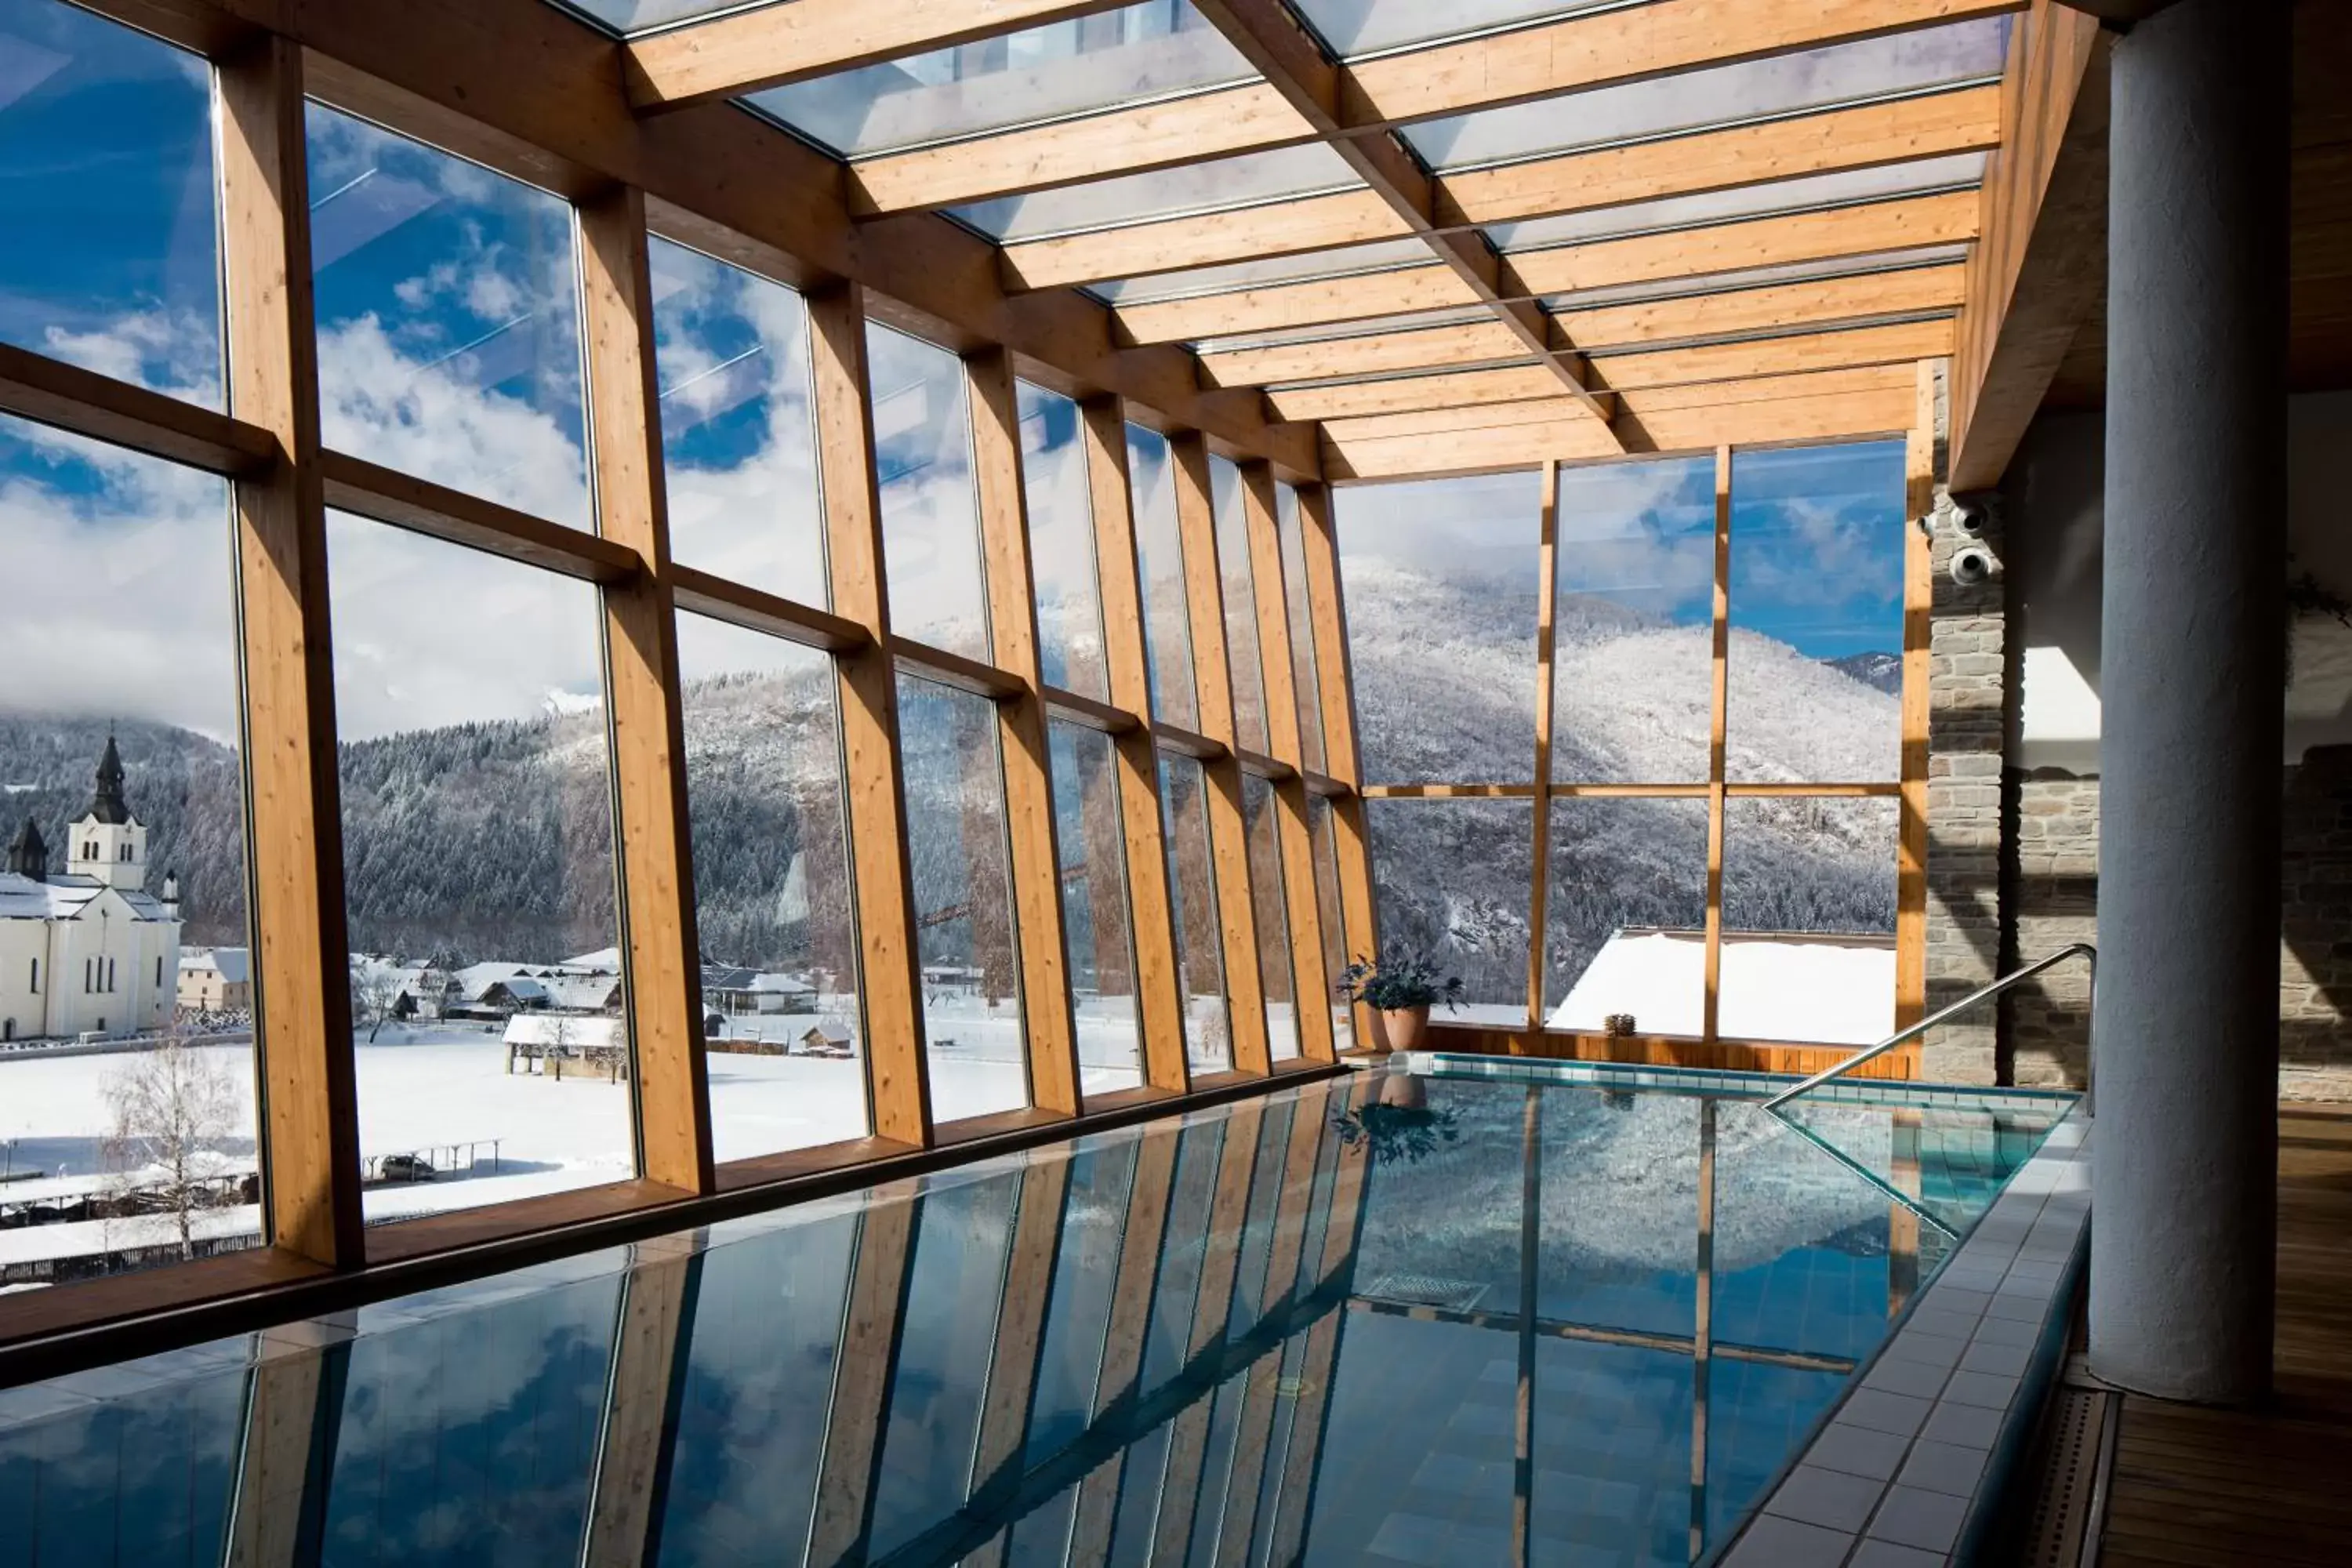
point(1387, 1320)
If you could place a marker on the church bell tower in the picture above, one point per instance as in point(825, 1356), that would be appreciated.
point(108, 844)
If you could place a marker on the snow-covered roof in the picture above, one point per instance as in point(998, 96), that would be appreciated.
point(832, 1033)
point(582, 993)
point(782, 984)
point(65, 898)
point(561, 1029)
point(234, 965)
point(603, 960)
point(476, 978)
point(520, 987)
point(1776, 986)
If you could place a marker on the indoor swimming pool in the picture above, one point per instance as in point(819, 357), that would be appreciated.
point(1443, 1317)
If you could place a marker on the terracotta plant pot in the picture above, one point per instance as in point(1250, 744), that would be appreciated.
point(1399, 1029)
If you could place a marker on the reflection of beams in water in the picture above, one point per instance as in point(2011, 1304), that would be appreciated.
point(1560, 1328)
point(1893, 1192)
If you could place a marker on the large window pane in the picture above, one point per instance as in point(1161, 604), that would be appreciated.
point(1633, 624)
point(123, 886)
point(1061, 545)
point(1441, 579)
point(1808, 920)
point(1091, 846)
point(964, 901)
point(448, 320)
point(1322, 831)
point(1625, 915)
point(771, 896)
point(1160, 550)
point(477, 867)
point(1454, 880)
point(106, 174)
point(1241, 602)
point(1272, 915)
point(1816, 660)
point(1200, 958)
point(930, 513)
point(737, 449)
point(1302, 626)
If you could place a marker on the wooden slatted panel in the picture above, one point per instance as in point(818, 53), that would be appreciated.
point(866, 685)
point(1158, 994)
point(1898, 343)
point(1204, 592)
point(2194, 1485)
point(1276, 643)
point(1774, 308)
point(1048, 1023)
point(664, 967)
point(300, 939)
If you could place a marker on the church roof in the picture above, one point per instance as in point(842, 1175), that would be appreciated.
point(65, 898)
point(108, 804)
point(28, 853)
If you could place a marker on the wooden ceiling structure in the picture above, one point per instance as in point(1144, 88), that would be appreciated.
point(1573, 231)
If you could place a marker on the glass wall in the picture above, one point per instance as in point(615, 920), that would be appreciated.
point(124, 883)
point(1804, 710)
point(1168, 636)
point(1273, 964)
point(1091, 845)
point(448, 304)
point(930, 513)
point(1193, 892)
point(1241, 604)
point(964, 901)
point(1062, 546)
point(772, 906)
point(476, 774)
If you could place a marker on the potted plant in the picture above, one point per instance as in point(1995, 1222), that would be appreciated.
point(1399, 992)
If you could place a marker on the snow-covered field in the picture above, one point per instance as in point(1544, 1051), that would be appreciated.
point(428, 1086)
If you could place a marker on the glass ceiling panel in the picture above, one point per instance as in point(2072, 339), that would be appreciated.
point(628, 17)
point(1756, 277)
point(1904, 62)
point(1340, 331)
point(1378, 256)
point(1223, 183)
point(1356, 27)
point(1810, 193)
point(1159, 50)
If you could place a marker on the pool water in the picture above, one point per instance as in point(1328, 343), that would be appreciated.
point(1390, 1319)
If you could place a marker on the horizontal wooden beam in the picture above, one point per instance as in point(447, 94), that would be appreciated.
point(1403, 394)
point(1948, 218)
point(954, 669)
point(68, 397)
point(1365, 101)
point(1903, 342)
point(1818, 405)
point(771, 45)
point(387, 495)
point(1869, 136)
point(726, 600)
point(1863, 137)
point(1075, 708)
point(1369, 353)
point(1280, 307)
point(1773, 307)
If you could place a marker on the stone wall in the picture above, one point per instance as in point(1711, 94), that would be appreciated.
point(2053, 874)
point(1968, 676)
point(2316, 928)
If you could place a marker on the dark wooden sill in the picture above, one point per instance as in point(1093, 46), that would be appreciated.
point(70, 1328)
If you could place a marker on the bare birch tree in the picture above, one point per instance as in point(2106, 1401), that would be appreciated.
point(172, 1107)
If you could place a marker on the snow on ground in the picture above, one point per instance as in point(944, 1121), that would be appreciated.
point(425, 1087)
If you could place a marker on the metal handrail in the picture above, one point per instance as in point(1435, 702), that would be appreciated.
point(1872, 1053)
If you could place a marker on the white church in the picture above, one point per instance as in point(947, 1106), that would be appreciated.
point(90, 952)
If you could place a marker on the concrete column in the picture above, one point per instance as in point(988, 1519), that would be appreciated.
point(2191, 675)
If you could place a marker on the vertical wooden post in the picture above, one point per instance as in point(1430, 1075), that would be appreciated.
point(857, 1415)
point(1159, 995)
point(1709, 1030)
point(1918, 594)
point(1547, 602)
point(889, 979)
point(1228, 831)
point(1045, 1010)
point(1020, 1330)
point(641, 1407)
point(1310, 983)
point(310, 1158)
point(293, 1416)
point(1335, 682)
point(663, 973)
point(1123, 1342)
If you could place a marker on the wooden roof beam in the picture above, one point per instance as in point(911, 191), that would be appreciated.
point(1904, 223)
point(747, 51)
point(1270, 37)
point(1869, 136)
point(1365, 100)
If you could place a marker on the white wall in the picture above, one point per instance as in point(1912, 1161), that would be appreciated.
point(2050, 554)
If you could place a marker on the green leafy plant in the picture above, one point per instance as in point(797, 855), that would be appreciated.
point(1406, 1132)
point(1396, 985)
